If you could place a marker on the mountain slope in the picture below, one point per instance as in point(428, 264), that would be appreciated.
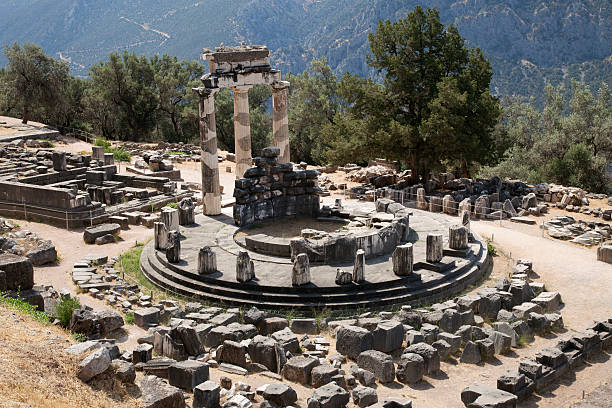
point(528, 42)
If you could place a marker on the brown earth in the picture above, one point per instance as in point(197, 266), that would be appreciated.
point(35, 372)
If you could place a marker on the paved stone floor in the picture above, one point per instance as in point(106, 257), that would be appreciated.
point(218, 232)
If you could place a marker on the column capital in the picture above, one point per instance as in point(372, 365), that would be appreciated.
point(242, 88)
point(204, 92)
point(280, 85)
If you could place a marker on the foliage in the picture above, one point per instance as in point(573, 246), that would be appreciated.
point(65, 308)
point(261, 121)
point(119, 153)
point(129, 318)
point(172, 205)
point(80, 337)
point(102, 143)
point(314, 101)
point(32, 79)
point(434, 104)
point(21, 306)
point(491, 248)
point(568, 142)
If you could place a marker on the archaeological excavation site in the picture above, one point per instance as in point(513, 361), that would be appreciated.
point(231, 269)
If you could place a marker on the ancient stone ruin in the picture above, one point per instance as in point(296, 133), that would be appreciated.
point(238, 68)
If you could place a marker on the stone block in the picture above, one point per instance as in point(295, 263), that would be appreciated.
point(299, 369)
point(352, 341)
point(18, 272)
point(145, 318)
point(206, 395)
point(411, 368)
point(388, 336)
point(188, 374)
point(379, 363)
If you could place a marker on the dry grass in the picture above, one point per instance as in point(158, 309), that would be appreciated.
point(35, 372)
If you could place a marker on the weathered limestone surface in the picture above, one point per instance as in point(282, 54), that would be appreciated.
point(245, 269)
point(421, 200)
point(457, 237)
point(359, 267)
point(92, 233)
point(207, 261)
point(186, 210)
point(173, 250)
point(434, 248)
point(211, 191)
point(160, 234)
point(301, 270)
point(242, 130)
point(170, 217)
point(280, 120)
point(403, 260)
point(18, 272)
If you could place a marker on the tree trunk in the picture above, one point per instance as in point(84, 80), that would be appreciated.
point(26, 114)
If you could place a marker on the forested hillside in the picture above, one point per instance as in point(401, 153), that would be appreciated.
point(528, 42)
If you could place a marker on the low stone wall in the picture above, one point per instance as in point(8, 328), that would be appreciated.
point(342, 246)
point(273, 190)
point(34, 195)
point(55, 177)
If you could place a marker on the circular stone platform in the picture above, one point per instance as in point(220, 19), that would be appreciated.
point(272, 287)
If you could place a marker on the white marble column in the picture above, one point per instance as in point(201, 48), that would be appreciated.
point(242, 130)
point(280, 120)
point(211, 193)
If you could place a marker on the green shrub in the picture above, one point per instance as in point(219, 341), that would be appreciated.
point(80, 337)
point(129, 318)
point(492, 250)
point(172, 205)
point(65, 308)
point(102, 143)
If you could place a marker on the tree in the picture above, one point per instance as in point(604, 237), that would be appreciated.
point(173, 83)
point(261, 122)
point(434, 103)
point(128, 82)
point(313, 105)
point(568, 142)
point(32, 79)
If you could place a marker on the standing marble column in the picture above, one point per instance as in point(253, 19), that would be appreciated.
point(211, 193)
point(280, 120)
point(242, 130)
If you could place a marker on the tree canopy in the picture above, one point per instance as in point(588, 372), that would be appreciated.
point(33, 80)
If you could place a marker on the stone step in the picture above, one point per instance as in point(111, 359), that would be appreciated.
point(246, 294)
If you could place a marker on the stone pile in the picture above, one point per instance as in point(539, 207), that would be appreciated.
point(581, 232)
point(182, 346)
point(550, 364)
point(25, 243)
point(489, 199)
point(379, 176)
point(273, 190)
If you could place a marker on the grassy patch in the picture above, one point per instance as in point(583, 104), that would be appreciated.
point(172, 205)
point(492, 250)
point(65, 308)
point(129, 264)
point(119, 153)
point(129, 318)
point(18, 305)
point(80, 337)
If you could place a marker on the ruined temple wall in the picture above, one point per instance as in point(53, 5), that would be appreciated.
point(38, 195)
point(55, 177)
point(273, 190)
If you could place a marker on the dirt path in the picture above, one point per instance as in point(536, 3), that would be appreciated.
point(71, 248)
point(584, 284)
